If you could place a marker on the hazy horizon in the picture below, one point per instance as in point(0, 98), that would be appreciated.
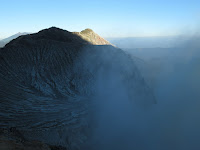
point(131, 42)
point(147, 36)
point(114, 37)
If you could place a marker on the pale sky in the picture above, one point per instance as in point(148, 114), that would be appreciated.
point(109, 18)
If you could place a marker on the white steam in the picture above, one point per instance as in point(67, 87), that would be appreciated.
point(171, 124)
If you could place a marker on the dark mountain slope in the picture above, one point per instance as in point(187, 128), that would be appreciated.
point(47, 80)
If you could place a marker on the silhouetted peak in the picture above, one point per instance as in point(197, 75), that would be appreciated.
point(54, 29)
point(87, 36)
point(53, 34)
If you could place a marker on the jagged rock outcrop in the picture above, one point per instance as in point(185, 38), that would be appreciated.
point(47, 80)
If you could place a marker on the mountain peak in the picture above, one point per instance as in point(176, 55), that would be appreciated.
point(86, 31)
point(50, 34)
point(87, 36)
point(53, 28)
point(54, 75)
point(90, 36)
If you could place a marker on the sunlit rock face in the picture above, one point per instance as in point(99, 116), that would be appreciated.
point(93, 38)
point(49, 80)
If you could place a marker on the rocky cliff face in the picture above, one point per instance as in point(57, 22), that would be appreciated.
point(48, 80)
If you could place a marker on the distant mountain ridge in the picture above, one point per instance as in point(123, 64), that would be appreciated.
point(6, 40)
point(3, 42)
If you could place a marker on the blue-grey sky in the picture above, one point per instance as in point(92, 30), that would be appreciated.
point(109, 18)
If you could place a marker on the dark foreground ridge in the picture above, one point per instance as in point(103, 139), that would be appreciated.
point(48, 80)
point(12, 139)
